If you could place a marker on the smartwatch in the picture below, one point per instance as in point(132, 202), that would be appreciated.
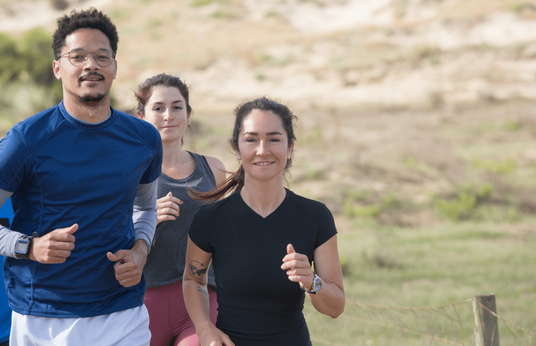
point(23, 247)
point(317, 285)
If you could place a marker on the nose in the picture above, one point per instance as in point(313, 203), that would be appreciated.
point(168, 115)
point(91, 62)
point(261, 149)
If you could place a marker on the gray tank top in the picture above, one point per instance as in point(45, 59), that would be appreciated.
point(165, 263)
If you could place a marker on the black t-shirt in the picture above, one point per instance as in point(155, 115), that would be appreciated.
point(257, 302)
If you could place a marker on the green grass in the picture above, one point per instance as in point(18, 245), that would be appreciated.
point(433, 267)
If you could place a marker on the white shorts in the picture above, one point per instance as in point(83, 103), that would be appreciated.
point(124, 328)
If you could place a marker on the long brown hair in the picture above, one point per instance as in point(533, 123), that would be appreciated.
point(235, 182)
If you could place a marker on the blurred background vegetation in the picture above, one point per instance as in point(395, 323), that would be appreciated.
point(416, 127)
point(26, 78)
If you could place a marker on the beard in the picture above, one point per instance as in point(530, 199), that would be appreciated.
point(92, 98)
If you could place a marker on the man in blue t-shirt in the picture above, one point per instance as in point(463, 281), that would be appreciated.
point(82, 180)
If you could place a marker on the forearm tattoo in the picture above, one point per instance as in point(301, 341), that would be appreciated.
point(197, 268)
point(202, 290)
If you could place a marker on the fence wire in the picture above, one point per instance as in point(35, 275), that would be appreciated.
point(378, 325)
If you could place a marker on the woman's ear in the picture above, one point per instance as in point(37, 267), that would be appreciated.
point(139, 115)
point(290, 150)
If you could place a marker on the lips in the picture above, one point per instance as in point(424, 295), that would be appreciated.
point(91, 78)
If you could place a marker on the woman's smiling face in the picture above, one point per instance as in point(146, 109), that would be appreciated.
point(263, 145)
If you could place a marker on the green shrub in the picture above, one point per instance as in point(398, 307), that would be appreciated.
point(38, 56)
point(12, 61)
point(503, 167)
point(356, 210)
point(224, 15)
point(466, 203)
point(29, 60)
point(460, 208)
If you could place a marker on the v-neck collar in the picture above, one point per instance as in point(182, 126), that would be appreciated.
point(276, 210)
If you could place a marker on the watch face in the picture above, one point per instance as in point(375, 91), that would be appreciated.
point(317, 283)
point(22, 246)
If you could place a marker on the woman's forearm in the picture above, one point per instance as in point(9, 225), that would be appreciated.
point(197, 303)
point(329, 300)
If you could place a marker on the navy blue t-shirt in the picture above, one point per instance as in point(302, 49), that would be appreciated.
point(63, 171)
point(258, 304)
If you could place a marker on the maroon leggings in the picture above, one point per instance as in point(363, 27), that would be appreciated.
point(168, 319)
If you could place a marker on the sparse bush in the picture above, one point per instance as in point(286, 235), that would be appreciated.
point(503, 167)
point(369, 204)
point(512, 126)
point(224, 15)
point(356, 210)
point(464, 206)
point(12, 61)
point(458, 209)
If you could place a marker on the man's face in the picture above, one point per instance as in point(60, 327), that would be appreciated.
point(90, 83)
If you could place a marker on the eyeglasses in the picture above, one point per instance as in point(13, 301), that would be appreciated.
point(79, 57)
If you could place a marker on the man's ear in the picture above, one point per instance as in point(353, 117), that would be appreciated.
point(56, 69)
point(139, 115)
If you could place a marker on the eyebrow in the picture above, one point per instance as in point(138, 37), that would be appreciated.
point(273, 133)
point(161, 102)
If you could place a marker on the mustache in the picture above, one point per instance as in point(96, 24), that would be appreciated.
point(90, 74)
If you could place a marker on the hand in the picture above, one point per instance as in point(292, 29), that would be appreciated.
point(167, 208)
point(298, 268)
point(129, 263)
point(54, 247)
point(212, 336)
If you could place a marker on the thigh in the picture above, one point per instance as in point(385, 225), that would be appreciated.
point(159, 311)
point(29, 330)
point(125, 328)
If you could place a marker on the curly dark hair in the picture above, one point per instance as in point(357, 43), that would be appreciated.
point(91, 19)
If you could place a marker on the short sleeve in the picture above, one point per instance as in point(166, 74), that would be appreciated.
point(13, 161)
point(199, 231)
point(155, 167)
point(326, 226)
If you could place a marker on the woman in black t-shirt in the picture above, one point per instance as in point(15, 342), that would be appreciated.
point(262, 241)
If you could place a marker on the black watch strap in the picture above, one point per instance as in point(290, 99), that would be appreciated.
point(23, 247)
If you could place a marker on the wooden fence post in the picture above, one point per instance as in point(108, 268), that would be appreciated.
point(486, 326)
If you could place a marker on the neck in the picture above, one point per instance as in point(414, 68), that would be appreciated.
point(92, 112)
point(263, 197)
point(173, 154)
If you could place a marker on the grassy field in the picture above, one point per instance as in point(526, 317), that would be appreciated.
point(431, 267)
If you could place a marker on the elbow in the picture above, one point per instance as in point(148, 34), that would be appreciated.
point(338, 309)
point(336, 313)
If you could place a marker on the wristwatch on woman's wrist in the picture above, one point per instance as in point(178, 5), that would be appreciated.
point(317, 285)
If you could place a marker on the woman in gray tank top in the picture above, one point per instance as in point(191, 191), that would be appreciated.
point(163, 101)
